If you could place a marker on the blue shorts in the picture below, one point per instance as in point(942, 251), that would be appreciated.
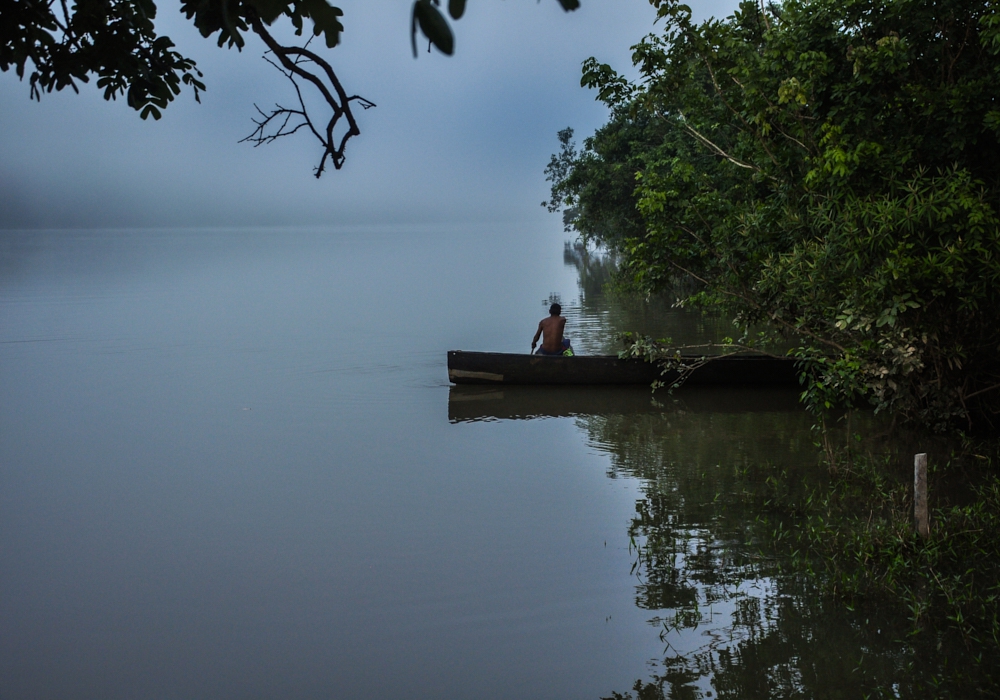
point(558, 353)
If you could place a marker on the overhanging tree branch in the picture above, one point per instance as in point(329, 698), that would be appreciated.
point(285, 121)
point(59, 43)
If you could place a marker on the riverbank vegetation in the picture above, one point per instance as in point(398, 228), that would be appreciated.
point(828, 171)
point(826, 174)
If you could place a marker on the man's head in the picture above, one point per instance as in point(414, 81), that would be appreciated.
point(555, 310)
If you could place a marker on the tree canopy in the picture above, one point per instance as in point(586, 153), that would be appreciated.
point(115, 41)
point(827, 168)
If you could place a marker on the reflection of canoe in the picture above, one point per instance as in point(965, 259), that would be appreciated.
point(477, 403)
point(510, 368)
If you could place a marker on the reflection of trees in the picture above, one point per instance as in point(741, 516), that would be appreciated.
point(708, 568)
point(709, 535)
point(600, 315)
point(690, 463)
point(595, 269)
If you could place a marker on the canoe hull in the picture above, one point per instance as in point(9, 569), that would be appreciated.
point(510, 368)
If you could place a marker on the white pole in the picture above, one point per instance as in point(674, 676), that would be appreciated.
point(921, 518)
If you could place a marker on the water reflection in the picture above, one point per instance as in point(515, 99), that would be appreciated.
point(215, 483)
point(732, 622)
point(595, 319)
point(485, 403)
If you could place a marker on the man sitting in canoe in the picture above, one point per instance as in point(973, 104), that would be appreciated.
point(551, 331)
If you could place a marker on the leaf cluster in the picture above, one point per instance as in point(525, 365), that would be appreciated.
point(830, 168)
point(112, 40)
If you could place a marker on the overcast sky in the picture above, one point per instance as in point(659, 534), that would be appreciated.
point(453, 139)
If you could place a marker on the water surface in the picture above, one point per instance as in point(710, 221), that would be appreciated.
point(231, 466)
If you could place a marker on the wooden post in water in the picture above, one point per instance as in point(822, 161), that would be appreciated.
point(921, 519)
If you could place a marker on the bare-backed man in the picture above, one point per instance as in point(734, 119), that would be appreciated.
point(550, 330)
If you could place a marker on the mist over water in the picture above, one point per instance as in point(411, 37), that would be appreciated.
point(231, 466)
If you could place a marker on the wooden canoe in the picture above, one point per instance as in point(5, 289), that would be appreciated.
point(511, 368)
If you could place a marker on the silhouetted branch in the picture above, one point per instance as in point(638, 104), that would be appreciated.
point(285, 121)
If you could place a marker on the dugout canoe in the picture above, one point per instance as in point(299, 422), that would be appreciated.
point(512, 368)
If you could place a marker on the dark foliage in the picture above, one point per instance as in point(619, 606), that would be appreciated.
point(830, 169)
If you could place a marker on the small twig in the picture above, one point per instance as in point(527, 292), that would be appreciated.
point(983, 391)
point(718, 151)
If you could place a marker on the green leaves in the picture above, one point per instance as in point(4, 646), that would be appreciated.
point(613, 89)
point(830, 169)
point(890, 314)
point(791, 90)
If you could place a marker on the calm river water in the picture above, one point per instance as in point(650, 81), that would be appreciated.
point(231, 466)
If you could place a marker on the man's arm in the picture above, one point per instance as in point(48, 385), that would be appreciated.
point(538, 334)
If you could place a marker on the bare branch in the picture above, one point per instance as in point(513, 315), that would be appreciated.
point(284, 115)
point(292, 61)
point(763, 14)
point(718, 151)
point(983, 391)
